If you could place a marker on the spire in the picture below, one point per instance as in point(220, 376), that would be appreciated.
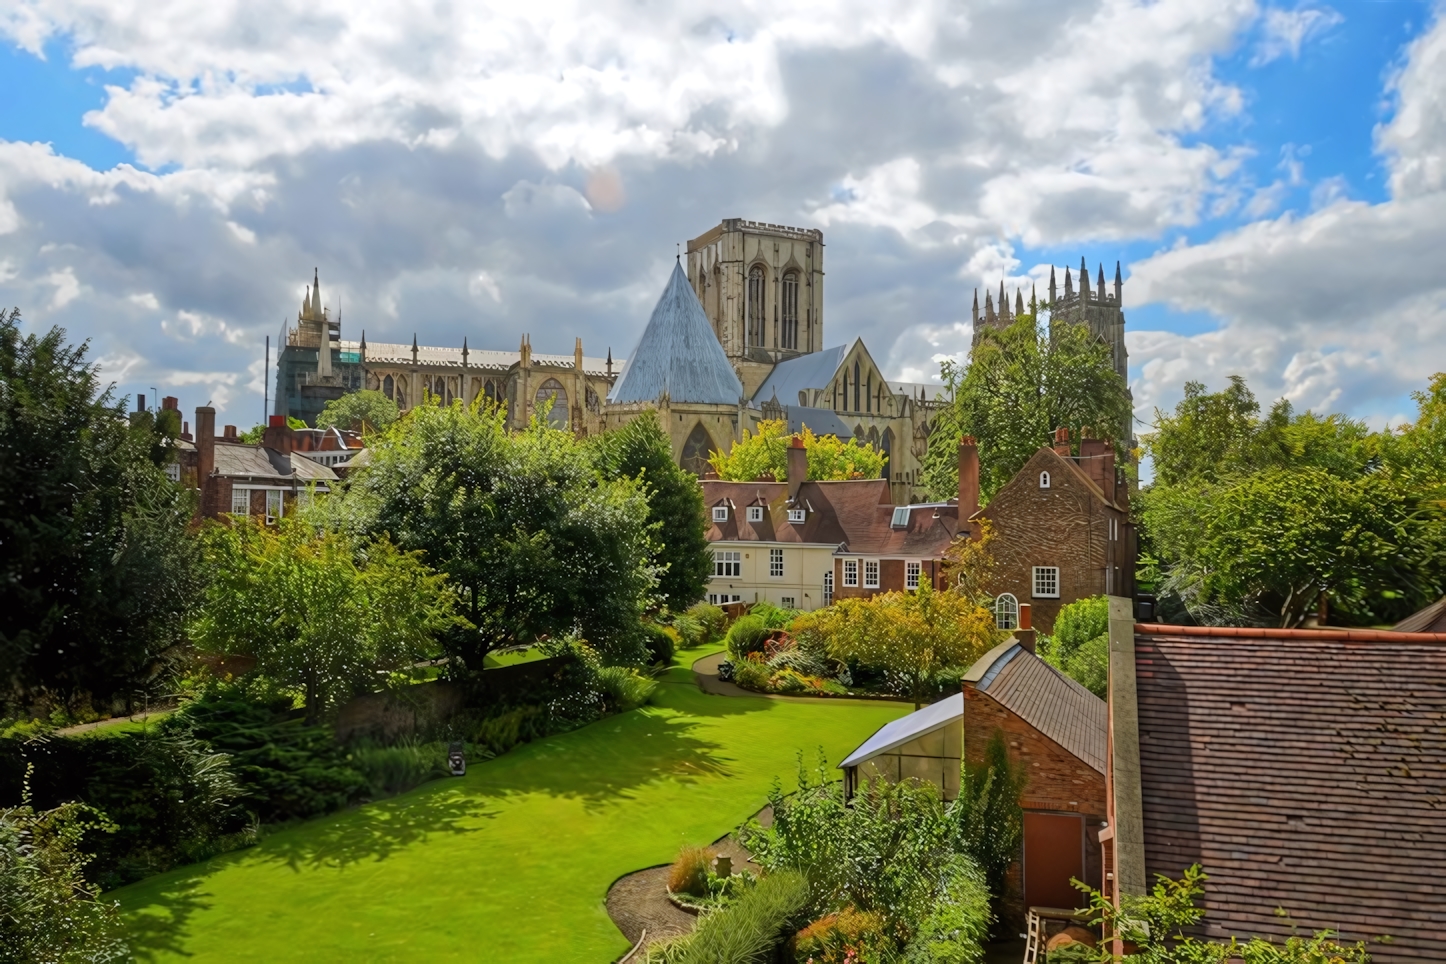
point(414, 348)
point(364, 340)
point(989, 316)
point(1003, 303)
point(1118, 285)
point(1051, 284)
point(1018, 303)
point(610, 361)
point(464, 351)
point(577, 355)
point(1068, 285)
point(315, 293)
point(975, 311)
point(1100, 282)
point(1084, 280)
point(1034, 300)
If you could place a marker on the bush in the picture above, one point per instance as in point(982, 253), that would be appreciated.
point(689, 873)
point(1080, 646)
point(842, 937)
point(624, 688)
point(955, 928)
point(991, 823)
point(774, 617)
point(747, 636)
point(800, 661)
point(752, 674)
point(748, 930)
point(658, 643)
point(390, 770)
point(498, 734)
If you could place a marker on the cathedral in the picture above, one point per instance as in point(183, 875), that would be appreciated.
point(737, 337)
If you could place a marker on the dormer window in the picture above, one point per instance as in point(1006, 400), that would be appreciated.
point(797, 516)
point(755, 513)
point(1044, 480)
point(901, 518)
point(720, 513)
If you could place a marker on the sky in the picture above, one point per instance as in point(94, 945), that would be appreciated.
point(1271, 178)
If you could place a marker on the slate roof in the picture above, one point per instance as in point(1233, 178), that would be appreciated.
point(822, 421)
point(1304, 770)
point(896, 733)
point(788, 378)
point(386, 353)
point(1432, 619)
point(239, 460)
point(678, 354)
point(854, 515)
point(1046, 699)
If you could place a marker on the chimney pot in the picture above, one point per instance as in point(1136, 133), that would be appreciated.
point(1061, 442)
point(229, 433)
point(276, 421)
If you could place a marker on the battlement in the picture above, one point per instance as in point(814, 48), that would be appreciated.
point(782, 230)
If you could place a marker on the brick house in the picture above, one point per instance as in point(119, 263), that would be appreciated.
point(1304, 770)
point(235, 477)
point(802, 544)
point(1061, 526)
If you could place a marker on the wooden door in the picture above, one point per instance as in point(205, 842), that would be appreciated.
point(1053, 853)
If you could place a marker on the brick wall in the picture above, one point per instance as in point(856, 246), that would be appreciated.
point(891, 577)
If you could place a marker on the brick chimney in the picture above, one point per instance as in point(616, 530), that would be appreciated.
point(797, 466)
point(229, 433)
point(1024, 635)
point(1061, 442)
point(205, 444)
point(968, 478)
point(278, 435)
point(1097, 458)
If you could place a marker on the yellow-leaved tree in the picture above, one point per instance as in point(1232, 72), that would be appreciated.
point(766, 454)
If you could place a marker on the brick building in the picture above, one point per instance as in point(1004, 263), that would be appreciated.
point(1305, 770)
point(1061, 526)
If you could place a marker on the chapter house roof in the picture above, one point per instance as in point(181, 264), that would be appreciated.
point(678, 354)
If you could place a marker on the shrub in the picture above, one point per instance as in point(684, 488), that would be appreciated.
point(956, 926)
point(390, 770)
point(624, 688)
point(751, 674)
point(991, 823)
point(748, 635)
point(498, 734)
point(747, 931)
point(1080, 646)
point(689, 873)
point(792, 681)
point(800, 661)
point(658, 643)
point(774, 617)
point(711, 621)
point(841, 938)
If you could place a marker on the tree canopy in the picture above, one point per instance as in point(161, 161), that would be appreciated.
point(1023, 382)
point(366, 410)
point(97, 572)
point(765, 455)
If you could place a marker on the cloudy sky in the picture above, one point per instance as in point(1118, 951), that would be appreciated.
point(1271, 177)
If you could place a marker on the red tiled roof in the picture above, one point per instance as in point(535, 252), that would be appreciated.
point(1049, 701)
point(1305, 770)
point(856, 515)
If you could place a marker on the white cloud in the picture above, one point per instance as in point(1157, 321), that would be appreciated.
point(1284, 32)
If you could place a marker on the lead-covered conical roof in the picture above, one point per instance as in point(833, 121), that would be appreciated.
point(678, 354)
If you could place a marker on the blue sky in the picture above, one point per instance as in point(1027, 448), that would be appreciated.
point(444, 176)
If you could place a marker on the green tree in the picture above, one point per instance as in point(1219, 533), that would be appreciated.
point(97, 572)
point(365, 410)
point(48, 911)
point(318, 611)
point(988, 815)
point(527, 530)
point(1021, 384)
point(1080, 645)
point(765, 454)
point(909, 635)
point(641, 450)
point(254, 434)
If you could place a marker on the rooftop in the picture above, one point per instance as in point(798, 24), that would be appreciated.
point(1046, 699)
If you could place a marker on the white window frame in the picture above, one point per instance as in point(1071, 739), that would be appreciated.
point(828, 588)
point(240, 496)
point(901, 518)
point(1006, 611)
point(755, 513)
point(851, 573)
point(788, 602)
point(1044, 480)
point(173, 471)
point(723, 598)
point(1114, 529)
point(275, 505)
point(913, 569)
point(1045, 579)
point(797, 516)
point(871, 573)
point(775, 563)
point(720, 513)
point(727, 564)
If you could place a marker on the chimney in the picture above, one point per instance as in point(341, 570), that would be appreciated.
point(171, 403)
point(205, 443)
point(278, 435)
point(968, 479)
point(797, 467)
point(140, 403)
point(1024, 635)
point(185, 431)
point(1061, 442)
point(1097, 458)
point(229, 433)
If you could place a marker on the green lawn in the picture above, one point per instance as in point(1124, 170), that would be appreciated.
point(511, 862)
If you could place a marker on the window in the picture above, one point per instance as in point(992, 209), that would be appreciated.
point(788, 602)
point(850, 572)
point(828, 589)
point(757, 298)
point(755, 513)
point(911, 575)
point(1006, 611)
point(489, 391)
point(273, 505)
point(388, 386)
point(720, 513)
point(1046, 582)
point(856, 387)
point(1114, 530)
point(790, 310)
point(1044, 480)
point(901, 518)
point(551, 403)
point(241, 501)
point(797, 515)
point(869, 394)
point(775, 563)
point(871, 573)
point(697, 449)
point(727, 564)
point(173, 471)
point(723, 598)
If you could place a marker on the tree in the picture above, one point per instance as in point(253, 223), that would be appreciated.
point(48, 911)
point(909, 635)
point(1080, 645)
point(366, 410)
point(766, 455)
point(536, 542)
point(641, 450)
point(97, 573)
point(1020, 385)
point(254, 434)
point(317, 610)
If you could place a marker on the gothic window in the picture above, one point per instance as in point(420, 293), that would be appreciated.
point(790, 310)
point(388, 387)
point(856, 387)
point(401, 398)
point(551, 403)
point(859, 434)
point(489, 390)
point(846, 392)
point(886, 445)
point(1006, 611)
point(869, 393)
point(757, 299)
point(439, 388)
point(874, 437)
point(696, 450)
